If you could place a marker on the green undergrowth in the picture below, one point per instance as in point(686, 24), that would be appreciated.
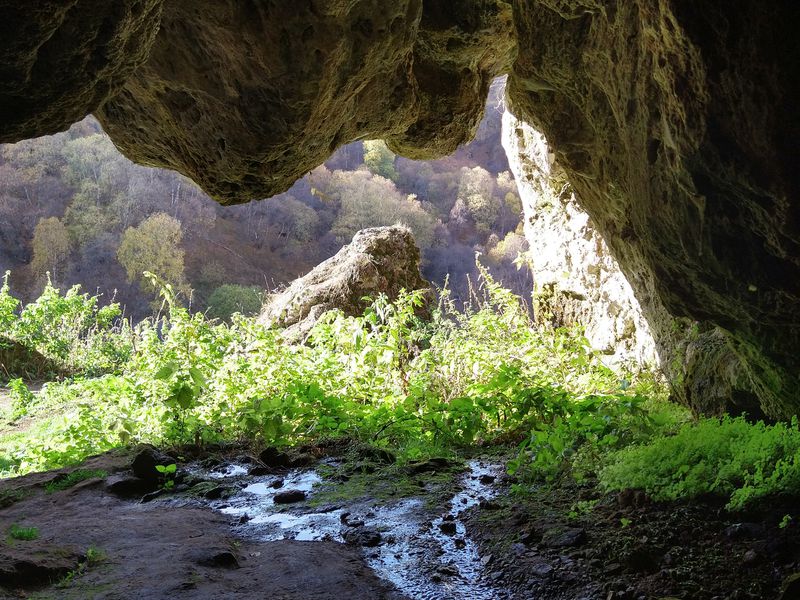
point(481, 377)
point(729, 457)
point(74, 478)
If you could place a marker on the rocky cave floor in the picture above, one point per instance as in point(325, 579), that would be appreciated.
point(344, 521)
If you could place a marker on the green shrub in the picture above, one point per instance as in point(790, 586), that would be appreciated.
point(229, 299)
point(730, 457)
point(70, 329)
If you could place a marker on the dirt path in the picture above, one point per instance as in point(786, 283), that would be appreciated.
point(143, 552)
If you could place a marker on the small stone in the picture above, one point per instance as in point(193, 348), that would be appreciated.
point(750, 558)
point(274, 458)
point(289, 497)
point(145, 462)
point(487, 479)
point(277, 484)
point(447, 527)
point(739, 531)
point(541, 567)
point(365, 536)
point(559, 537)
point(459, 543)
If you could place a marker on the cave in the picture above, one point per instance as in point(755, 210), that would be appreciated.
point(674, 122)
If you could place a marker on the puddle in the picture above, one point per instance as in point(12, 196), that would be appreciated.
point(426, 555)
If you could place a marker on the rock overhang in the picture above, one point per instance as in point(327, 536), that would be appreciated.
point(674, 120)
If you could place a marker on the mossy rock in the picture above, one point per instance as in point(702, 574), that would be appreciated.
point(17, 360)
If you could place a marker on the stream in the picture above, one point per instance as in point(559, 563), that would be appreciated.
point(425, 552)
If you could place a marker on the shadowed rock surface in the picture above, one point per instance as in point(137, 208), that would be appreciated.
point(61, 60)
point(245, 98)
point(675, 122)
point(379, 260)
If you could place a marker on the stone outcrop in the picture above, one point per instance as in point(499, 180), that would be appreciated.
point(676, 124)
point(61, 60)
point(379, 260)
point(675, 121)
point(576, 280)
point(245, 98)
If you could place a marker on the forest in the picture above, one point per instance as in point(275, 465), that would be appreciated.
point(72, 206)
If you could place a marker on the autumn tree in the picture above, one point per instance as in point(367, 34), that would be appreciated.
point(154, 246)
point(50, 247)
point(367, 200)
point(379, 159)
point(476, 190)
point(290, 218)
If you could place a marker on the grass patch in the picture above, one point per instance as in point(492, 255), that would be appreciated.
point(27, 534)
point(727, 457)
point(73, 478)
point(9, 497)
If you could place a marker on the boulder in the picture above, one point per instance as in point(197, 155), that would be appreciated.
point(379, 260)
point(245, 98)
point(17, 360)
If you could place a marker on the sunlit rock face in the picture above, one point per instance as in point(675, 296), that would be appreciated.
point(677, 124)
point(379, 261)
point(246, 97)
point(61, 60)
point(576, 279)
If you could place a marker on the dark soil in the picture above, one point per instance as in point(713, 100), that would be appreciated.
point(551, 545)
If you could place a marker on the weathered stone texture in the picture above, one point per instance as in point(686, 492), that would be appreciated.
point(576, 280)
point(245, 98)
point(60, 60)
point(379, 260)
point(676, 123)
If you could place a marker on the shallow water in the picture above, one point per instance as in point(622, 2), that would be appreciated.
point(414, 553)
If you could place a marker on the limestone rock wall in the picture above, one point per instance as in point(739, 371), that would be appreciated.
point(576, 279)
point(676, 123)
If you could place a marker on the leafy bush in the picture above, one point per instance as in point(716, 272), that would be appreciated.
point(70, 328)
point(485, 374)
point(229, 299)
point(729, 457)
